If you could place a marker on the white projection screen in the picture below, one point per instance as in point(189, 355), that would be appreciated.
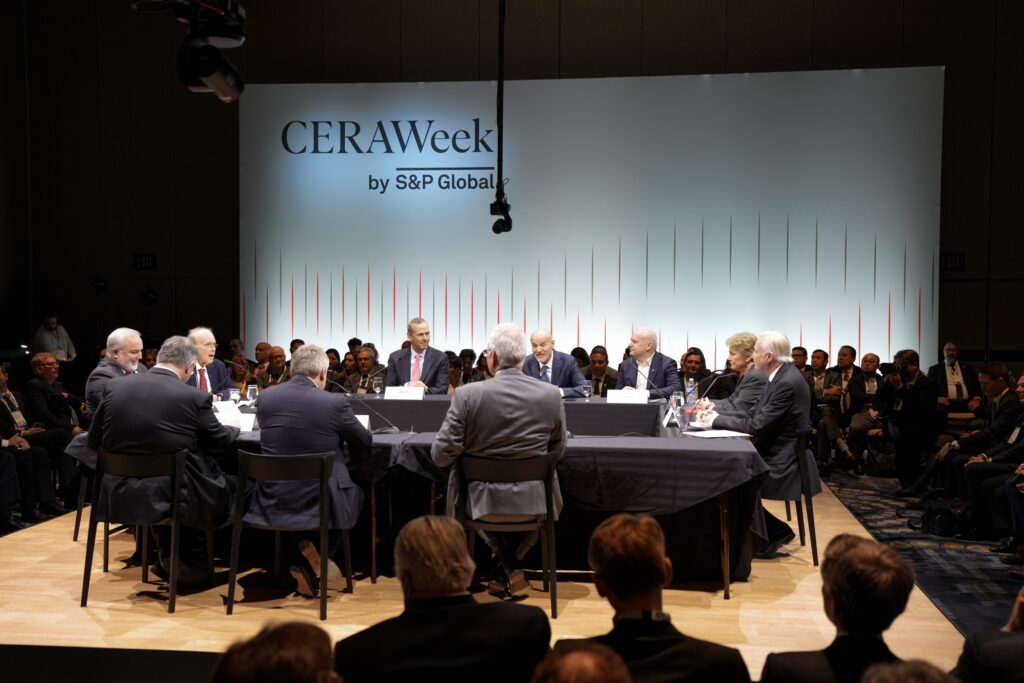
point(698, 206)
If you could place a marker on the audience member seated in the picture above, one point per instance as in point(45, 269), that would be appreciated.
point(9, 493)
point(60, 414)
point(156, 412)
point(444, 634)
point(750, 382)
point(124, 350)
point(691, 366)
point(51, 338)
point(301, 418)
point(292, 345)
point(646, 368)
point(582, 357)
point(454, 374)
point(149, 358)
point(581, 661)
point(276, 370)
point(354, 343)
point(958, 385)
point(627, 556)
point(211, 375)
point(333, 360)
point(367, 368)
point(909, 398)
point(419, 364)
point(865, 412)
point(510, 416)
point(995, 656)
point(554, 367)
point(262, 358)
point(865, 586)
point(32, 462)
point(238, 372)
point(468, 358)
point(800, 359)
point(236, 348)
point(294, 651)
point(601, 377)
point(480, 372)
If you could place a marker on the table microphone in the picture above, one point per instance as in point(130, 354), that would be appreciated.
point(637, 364)
point(392, 428)
point(706, 391)
point(258, 379)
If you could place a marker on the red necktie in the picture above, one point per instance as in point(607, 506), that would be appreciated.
point(202, 380)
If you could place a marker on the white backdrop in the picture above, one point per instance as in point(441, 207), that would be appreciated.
point(696, 205)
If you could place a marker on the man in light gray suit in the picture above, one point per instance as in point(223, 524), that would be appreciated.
point(509, 416)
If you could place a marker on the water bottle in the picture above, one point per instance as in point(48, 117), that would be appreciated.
point(691, 392)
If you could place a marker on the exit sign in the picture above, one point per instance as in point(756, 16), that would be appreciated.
point(144, 261)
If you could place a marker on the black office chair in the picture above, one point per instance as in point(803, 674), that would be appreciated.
point(510, 470)
point(807, 495)
point(139, 467)
point(311, 467)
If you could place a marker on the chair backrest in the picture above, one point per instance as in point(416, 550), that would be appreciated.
point(507, 470)
point(141, 466)
point(300, 467)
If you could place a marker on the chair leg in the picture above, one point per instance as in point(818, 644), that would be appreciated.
point(322, 587)
point(800, 521)
point(544, 556)
point(348, 561)
point(82, 485)
point(789, 513)
point(236, 541)
point(142, 537)
point(174, 565)
point(277, 557)
point(373, 533)
point(810, 528)
point(551, 569)
point(90, 546)
point(433, 493)
point(211, 571)
point(723, 515)
point(106, 546)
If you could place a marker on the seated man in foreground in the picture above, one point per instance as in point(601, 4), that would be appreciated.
point(646, 368)
point(298, 417)
point(444, 634)
point(556, 368)
point(865, 586)
point(156, 412)
point(510, 416)
point(627, 556)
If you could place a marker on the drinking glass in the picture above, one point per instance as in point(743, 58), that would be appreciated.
point(378, 385)
point(236, 395)
point(250, 392)
point(587, 390)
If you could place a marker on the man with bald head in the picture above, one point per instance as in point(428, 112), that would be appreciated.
point(210, 375)
point(864, 406)
point(262, 354)
point(648, 369)
point(558, 369)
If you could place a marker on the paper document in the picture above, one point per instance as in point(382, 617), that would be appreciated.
point(717, 434)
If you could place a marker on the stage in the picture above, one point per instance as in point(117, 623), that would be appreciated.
point(778, 609)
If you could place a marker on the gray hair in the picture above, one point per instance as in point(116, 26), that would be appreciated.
point(646, 334)
point(309, 360)
point(777, 344)
point(414, 321)
point(117, 338)
point(431, 556)
point(177, 351)
point(509, 343)
point(196, 331)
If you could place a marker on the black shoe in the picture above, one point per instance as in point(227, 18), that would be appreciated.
point(53, 509)
point(34, 516)
point(498, 585)
point(1009, 545)
point(188, 576)
point(975, 533)
point(858, 468)
point(771, 548)
point(9, 526)
point(907, 492)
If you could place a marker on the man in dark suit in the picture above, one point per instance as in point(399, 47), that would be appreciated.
point(909, 398)
point(646, 368)
point(297, 418)
point(60, 415)
point(995, 656)
point(775, 421)
point(601, 377)
point(419, 365)
point(508, 416)
point(9, 493)
point(827, 393)
point(124, 351)
point(210, 375)
point(444, 634)
point(865, 413)
point(958, 384)
point(156, 412)
point(627, 556)
point(691, 366)
point(865, 586)
point(367, 368)
point(559, 369)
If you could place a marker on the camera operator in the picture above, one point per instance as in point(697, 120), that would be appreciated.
point(909, 398)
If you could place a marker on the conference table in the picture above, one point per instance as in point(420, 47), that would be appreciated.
point(618, 458)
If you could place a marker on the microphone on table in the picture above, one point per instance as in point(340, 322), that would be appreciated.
point(258, 379)
point(706, 391)
point(637, 364)
point(392, 428)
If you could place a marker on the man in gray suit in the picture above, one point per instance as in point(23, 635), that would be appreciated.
point(509, 416)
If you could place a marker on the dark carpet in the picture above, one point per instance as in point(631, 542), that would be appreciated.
point(964, 579)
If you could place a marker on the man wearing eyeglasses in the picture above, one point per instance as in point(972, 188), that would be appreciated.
point(62, 416)
point(210, 374)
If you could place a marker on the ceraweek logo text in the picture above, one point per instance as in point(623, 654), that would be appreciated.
point(405, 137)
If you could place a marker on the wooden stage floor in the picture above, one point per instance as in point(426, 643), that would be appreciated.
point(778, 609)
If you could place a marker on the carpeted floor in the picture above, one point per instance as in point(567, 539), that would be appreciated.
point(964, 579)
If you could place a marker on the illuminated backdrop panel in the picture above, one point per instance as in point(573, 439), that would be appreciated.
point(696, 205)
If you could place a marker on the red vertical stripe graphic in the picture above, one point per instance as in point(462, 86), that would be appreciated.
point(268, 313)
point(394, 299)
point(577, 328)
point(716, 351)
point(472, 314)
point(801, 334)
point(367, 298)
point(419, 308)
point(343, 298)
point(919, 320)
point(687, 339)
point(318, 302)
point(659, 340)
point(446, 306)
point(861, 351)
point(888, 351)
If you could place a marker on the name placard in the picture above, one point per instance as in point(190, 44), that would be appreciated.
point(403, 393)
point(628, 396)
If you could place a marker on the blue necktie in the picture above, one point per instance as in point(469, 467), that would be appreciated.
point(544, 376)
